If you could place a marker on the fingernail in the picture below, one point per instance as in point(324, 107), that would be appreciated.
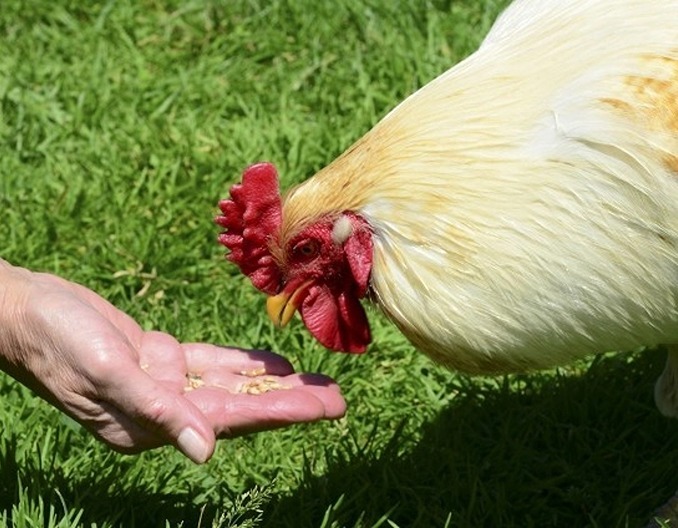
point(193, 445)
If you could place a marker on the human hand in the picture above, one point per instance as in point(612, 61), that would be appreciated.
point(137, 390)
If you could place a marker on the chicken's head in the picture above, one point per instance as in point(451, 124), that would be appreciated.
point(321, 268)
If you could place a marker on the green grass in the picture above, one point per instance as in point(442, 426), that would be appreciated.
point(122, 123)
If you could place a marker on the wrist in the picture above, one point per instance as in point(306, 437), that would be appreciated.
point(14, 283)
point(14, 287)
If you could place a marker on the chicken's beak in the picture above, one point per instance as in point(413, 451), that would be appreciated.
point(281, 307)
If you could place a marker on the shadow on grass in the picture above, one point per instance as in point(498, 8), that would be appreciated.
point(574, 451)
point(41, 492)
point(112, 491)
point(588, 450)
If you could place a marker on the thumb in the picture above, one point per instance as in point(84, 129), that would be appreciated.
point(168, 415)
point(158, 415)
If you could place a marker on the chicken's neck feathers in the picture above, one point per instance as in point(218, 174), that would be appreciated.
point(468, 122)
point(512, 202)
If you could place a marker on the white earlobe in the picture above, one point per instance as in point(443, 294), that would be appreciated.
point(343, 228)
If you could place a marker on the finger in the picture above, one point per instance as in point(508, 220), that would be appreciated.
point(225, 378)
point(154, 406)
point(167, 414)
point(230, 418)
point(323, 388)
point(162, 358)
point(201, 357)
point(238, 383)
point(237, 414)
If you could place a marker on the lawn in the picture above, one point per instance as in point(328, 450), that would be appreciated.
point(122, 123)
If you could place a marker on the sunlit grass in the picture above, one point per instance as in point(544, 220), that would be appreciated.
point(121, 125)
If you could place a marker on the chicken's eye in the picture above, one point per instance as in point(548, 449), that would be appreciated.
point(307, 249)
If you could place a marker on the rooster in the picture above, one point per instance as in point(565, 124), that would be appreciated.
point(516, 213)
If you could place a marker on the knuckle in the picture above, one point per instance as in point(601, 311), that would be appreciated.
point(102, 364)
point(156, 411)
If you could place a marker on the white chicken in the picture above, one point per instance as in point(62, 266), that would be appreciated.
point(517, 212)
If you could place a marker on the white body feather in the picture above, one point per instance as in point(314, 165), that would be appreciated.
point(525, 203)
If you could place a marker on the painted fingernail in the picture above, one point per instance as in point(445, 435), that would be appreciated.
point(193, 445)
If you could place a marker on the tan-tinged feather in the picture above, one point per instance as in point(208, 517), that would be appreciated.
point(650, 99)
point(524, 204)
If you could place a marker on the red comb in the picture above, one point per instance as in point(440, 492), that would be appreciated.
point(251, 217)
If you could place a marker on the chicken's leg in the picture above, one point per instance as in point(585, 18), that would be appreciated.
point(666, 388)
point(666, 398)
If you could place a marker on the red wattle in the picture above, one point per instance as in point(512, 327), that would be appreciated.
point(336, 319)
